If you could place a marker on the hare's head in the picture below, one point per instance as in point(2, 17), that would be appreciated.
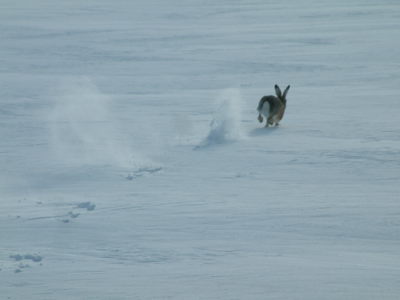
point(279, 94)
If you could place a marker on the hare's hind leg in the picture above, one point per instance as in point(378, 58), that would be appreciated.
point(270, 121)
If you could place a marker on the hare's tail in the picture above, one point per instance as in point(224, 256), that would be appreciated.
point(264, 109)
point(260, 106)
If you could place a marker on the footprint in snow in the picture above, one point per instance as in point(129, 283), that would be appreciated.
point(34, 258)
point(143, 172)
point(89, 206)
point(21, 259)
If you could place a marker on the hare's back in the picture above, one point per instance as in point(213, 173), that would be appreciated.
point(273, 103)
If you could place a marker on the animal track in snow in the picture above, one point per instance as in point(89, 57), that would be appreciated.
point(34, 258)
point(73, 215)
point(142, 172)
point(88, 205)
point(21, 259)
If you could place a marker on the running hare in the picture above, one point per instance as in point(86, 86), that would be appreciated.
point(272, 108)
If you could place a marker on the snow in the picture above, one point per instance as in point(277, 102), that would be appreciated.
point(225, 125)
point(132, 164)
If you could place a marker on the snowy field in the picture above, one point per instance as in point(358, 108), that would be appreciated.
point(132, 165)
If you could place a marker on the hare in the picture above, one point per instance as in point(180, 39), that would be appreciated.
point(272, 108)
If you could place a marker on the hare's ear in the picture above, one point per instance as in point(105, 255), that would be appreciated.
point(278, 91)
point(285, 92)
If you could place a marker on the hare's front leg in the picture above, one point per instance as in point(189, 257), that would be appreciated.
point(260, 118)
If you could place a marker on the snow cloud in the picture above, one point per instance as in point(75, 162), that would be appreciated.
point(225, 123)
point(84, 130)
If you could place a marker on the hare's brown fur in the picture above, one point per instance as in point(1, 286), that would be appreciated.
point(272, 107)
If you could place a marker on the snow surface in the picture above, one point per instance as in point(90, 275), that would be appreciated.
point(132, 165)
